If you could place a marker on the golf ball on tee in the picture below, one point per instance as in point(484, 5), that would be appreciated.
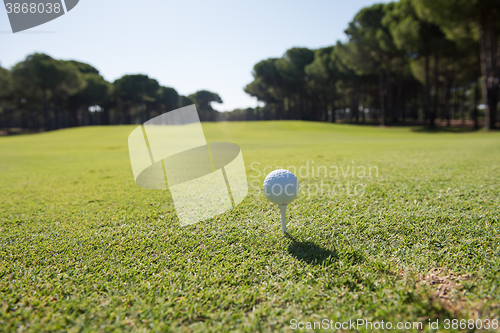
point(281, 187)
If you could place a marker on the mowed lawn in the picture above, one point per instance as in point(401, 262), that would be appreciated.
point(84, 249)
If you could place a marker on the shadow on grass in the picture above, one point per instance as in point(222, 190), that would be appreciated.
point(427, 129)
point(311, 253)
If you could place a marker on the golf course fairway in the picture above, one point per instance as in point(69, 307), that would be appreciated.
point(390, 224)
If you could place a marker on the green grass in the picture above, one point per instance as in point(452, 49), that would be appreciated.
point(84, 249)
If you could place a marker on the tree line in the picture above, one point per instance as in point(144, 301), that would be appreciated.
point(42, 93)
point(421, 61)
point(412, 60)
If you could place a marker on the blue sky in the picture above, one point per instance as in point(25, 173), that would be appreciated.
point(189, 45)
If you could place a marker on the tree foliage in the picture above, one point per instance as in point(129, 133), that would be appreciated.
point(203, 100)
point(420, 61)
point(414, 60)
point(44, 93)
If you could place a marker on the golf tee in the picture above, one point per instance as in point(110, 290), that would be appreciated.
point(283, 217)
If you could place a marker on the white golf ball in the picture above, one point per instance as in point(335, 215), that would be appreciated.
point(281, 187)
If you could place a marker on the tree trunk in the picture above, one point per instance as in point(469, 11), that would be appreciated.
point(426, 90)
point(454, 104)
point(489, 68)
point(354, 103)
point(474, 111)
point(362, 104)
point(399, 98)
point(46, 118)
point(447, 101)
point(388, 90)
point(435, 90)
point(414, 106)
point(462, 106)
point(382, 96)
point(334, 95)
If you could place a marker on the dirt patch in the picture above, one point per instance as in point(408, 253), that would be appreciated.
point(446, 288)
point(447, 285)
